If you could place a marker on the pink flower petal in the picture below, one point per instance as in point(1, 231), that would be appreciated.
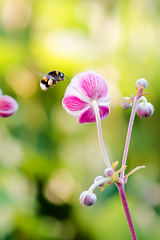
point(8, 106)
point(75, 90)
point(73, 103)
point(93, 85)
point(88, 86)
point(105, 101)
point(88, 115)
point(103, 111)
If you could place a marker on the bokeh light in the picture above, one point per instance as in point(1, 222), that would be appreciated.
point(46, 158)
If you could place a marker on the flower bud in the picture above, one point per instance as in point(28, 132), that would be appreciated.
point(87, 199)
point(141, 83)
point(145, 110)
point(108, 172)
point(125, 104)
point(98, 178)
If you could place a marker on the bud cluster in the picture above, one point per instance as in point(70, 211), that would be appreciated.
point(88, 198)
point(144, 109)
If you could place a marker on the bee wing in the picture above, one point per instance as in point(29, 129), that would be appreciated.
point(40, 74)
point(46, 75)
point(50, 77)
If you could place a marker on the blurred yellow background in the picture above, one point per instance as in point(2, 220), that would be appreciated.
point(46, 158)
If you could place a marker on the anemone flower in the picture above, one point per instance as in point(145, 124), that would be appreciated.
point(8, 105)
point(87, 99)
point(84, 90)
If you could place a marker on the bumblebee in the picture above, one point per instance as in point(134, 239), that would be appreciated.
point(51, 79)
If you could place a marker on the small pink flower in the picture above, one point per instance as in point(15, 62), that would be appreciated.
point(82, 91)
point(8, 105)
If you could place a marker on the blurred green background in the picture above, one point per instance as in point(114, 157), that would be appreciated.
point(46, 158)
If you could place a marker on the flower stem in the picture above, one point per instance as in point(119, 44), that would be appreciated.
point(121, 190)
point(131, 121)
point(96, 184)
point(99, 130)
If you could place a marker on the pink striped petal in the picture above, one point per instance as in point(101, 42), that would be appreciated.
point(75, 89)
point(103, 111)
point(93, 85)
point(73, 103)
point(88, 115)
point(8, 106)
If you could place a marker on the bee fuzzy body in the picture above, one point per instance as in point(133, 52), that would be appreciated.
point(51, 79)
